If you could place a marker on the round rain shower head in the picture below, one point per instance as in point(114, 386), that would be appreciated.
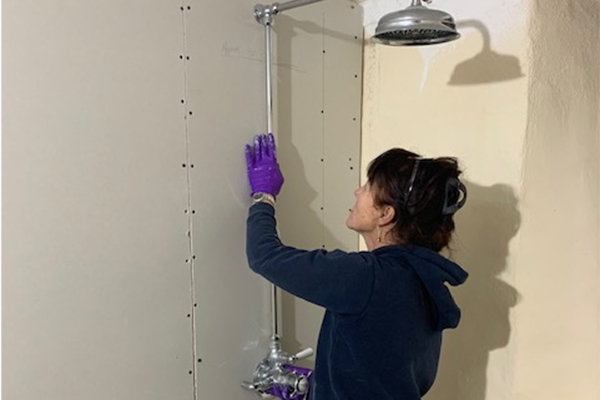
point(415, 26)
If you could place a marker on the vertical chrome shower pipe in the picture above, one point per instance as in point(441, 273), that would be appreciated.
point(264, 15)
point(268, 64)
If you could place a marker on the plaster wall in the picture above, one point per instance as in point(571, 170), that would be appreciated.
point(558, 332)
point(516, 100)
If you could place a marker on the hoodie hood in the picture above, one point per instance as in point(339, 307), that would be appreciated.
point(434, 271)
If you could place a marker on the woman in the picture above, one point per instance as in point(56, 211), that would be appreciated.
point(386, 307)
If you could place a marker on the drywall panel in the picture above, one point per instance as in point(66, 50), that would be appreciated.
point(125, 193)
point(224, 107)
point(318, 56)
point(96, 290)
point(300, 127)
point(342, 98)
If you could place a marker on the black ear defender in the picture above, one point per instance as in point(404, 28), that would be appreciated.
point(454, 185)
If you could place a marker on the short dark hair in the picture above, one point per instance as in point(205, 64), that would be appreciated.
point(417, 188)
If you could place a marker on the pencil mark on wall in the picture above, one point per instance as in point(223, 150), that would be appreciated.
point(243, 52)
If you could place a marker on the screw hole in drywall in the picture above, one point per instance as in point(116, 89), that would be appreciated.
point(199, 360)
point(189, 315)
point(183, 165)
point(190, 372)
point(182, 101)
point(180, 57)
point(187, 57)
point(190, 113)
point(195, 304)
point(193, 211)
point(191, 165)
point(321, 160)
point(193, 257)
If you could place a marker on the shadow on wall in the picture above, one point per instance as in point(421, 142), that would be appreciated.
point(298, 194)
point(486, 66)
point(485, 228)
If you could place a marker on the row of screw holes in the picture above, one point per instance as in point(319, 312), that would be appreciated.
point(355, 76)
point(191, 166)
point(353, 119)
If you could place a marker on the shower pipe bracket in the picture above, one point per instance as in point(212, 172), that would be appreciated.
point(264, 13)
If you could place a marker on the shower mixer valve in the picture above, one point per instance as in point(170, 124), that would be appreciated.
point(277, 376)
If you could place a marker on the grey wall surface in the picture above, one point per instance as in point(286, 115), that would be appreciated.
point(319, 70)
point(125, 194)
point(96, 291)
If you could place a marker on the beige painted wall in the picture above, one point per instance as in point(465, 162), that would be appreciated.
point(516, 100)
point(557, 340)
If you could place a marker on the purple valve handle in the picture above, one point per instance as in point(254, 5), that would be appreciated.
point(276, 375)
point(302, 378)
point(264, 173)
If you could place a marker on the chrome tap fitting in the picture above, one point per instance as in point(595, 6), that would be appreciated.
point(275, 374)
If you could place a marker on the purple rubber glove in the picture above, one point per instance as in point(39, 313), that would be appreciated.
point(263, 171)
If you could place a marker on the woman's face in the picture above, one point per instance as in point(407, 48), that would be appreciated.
point(364, 215)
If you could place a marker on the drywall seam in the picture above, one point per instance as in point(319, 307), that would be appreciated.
point(190, 212)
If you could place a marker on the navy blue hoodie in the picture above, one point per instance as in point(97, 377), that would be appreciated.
point(385, 310)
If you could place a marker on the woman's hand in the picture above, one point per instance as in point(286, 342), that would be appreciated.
point(263, 170)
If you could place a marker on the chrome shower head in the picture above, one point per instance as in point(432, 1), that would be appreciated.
point(416, 25)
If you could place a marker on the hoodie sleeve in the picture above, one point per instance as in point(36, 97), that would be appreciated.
point(339, 281)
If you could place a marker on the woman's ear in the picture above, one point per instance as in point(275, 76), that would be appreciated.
point(387, 215)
